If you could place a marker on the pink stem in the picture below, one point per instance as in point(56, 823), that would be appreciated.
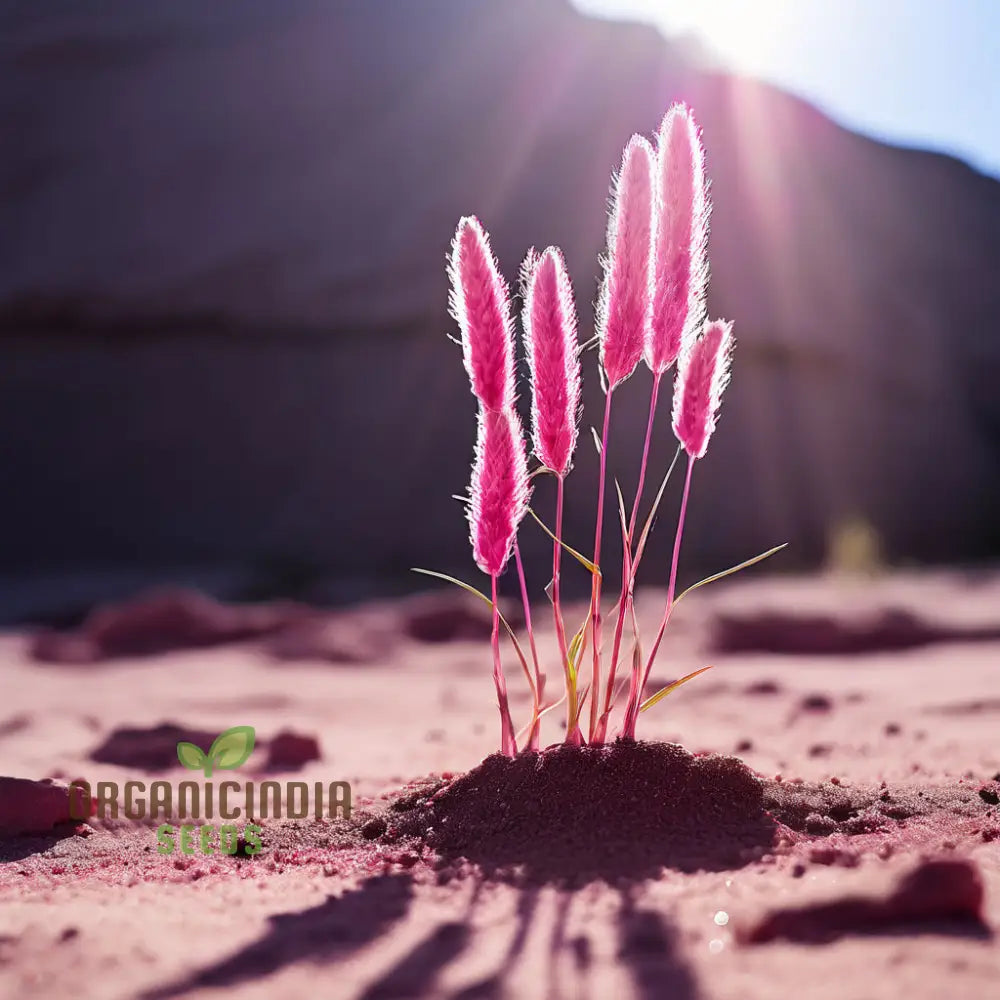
point(508, 744)
point(595, 600)
point(573, 734)
point(645, 455)
point(626, 591)
point(635, 696)
point(539, 679)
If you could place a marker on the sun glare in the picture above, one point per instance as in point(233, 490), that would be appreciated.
point(744, 35)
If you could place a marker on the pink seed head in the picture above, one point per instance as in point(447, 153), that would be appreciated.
point(623, 308)
point(702, 374)
point(480, 305)
point(550, 340)
point(680, 244)
point(499, 490)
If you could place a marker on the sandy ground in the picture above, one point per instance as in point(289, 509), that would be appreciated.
point(96, 913)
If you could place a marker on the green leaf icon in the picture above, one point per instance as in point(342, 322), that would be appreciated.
point(192, 757)
point(230, 749)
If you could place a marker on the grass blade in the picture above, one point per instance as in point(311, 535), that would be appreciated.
point(579, 708)
point(583, 560)
point(733, 569)
point(622, 517)
point(468, 588)
point(649, 519)
point(541, 712)
point(663, 692)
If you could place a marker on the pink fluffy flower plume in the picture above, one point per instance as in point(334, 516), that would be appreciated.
point(550, 340)
point(680, 256)
point(498, 502)
point(480, 304)
point(624, 304)
point(702, 375)
point(499, 489)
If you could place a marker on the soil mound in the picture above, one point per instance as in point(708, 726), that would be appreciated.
point(625, 810)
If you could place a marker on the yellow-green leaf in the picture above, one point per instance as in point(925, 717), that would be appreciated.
point(663, 692)
point(468, 588)
point(583, 560)
point(732, 569)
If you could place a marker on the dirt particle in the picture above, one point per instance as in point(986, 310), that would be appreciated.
point(374, 828)
point(289, 751)
point(815, 823)
point(827, 855)
point(816, 703)
point(762, 688)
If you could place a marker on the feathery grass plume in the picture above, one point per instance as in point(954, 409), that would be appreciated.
point(623, 312)
point(680, 244)
point(499, 500)
point(702, 375)
point(551, 344)
point(499, 489)
point(480, 304)
point(680, 275)
point(623, 308)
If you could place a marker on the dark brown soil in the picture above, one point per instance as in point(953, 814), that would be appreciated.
point(823, 809)
point(625, 810)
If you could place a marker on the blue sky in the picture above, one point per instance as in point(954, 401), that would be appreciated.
point(915, 72)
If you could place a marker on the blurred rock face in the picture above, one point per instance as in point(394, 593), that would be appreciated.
point(223, 300)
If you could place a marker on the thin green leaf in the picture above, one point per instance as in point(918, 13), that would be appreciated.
point(649, 519)
point(732, 569)
point(579, 708)
point(575, 653)
point(574, 645)
point(622, 517)
point(468, 588)
point(583, 560)
point(458, 583)
point(597, 440)
point(541, 712)
point(663, 692)
point(578, 643)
